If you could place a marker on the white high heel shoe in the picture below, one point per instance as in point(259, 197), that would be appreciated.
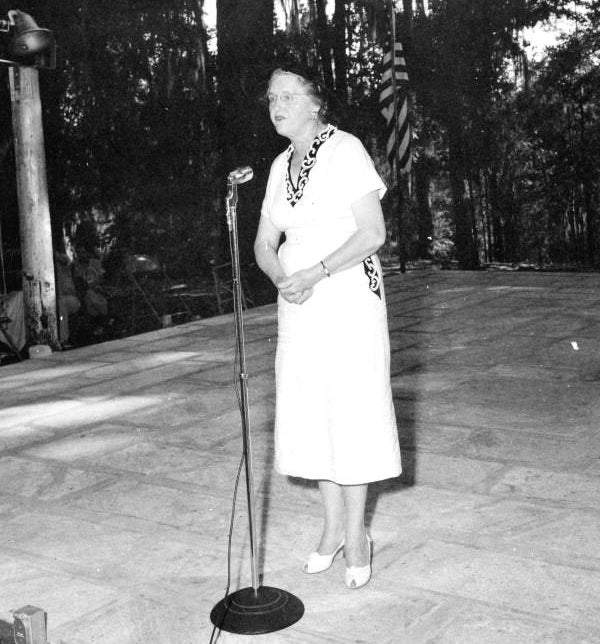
point(319, 563)
point(358, 576)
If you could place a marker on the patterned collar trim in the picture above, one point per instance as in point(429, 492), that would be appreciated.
point(295, 194)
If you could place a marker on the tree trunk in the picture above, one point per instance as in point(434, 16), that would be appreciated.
point(407, 10)
point(421, 8)
point(406, 26)
point(590, 225)
point(424, 216)
point(587, 186)
point(323, 46)
point(244, 64)
point(466, 250)
point(339, 51)
point(498, 247)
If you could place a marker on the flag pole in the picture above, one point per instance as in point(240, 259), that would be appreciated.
point(394, 93)
point(396, 168)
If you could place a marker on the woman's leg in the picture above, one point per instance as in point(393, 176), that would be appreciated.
point(356, 549)
point(333, 508)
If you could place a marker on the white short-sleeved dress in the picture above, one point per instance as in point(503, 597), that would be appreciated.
point(335, 418)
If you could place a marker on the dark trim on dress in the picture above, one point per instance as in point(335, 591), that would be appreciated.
point(294, 194)
point(374, 274)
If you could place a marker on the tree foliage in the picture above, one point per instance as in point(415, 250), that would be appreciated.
point(143, 121)
point(130, 123)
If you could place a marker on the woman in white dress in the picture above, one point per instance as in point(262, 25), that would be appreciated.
point(335, 420)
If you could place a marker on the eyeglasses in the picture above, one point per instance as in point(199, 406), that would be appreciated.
point(285, 97)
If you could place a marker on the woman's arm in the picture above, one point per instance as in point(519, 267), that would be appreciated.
point(265, 250)
point(366, 240)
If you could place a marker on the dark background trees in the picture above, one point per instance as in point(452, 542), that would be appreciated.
point(143, 120)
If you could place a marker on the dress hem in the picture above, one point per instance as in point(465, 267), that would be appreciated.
point(338, 481)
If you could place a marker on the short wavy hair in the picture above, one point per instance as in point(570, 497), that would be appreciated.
point(315, 88)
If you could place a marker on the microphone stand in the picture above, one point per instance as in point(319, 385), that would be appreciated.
point(256, 609)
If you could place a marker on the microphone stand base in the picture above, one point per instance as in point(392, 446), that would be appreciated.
point(251, 612)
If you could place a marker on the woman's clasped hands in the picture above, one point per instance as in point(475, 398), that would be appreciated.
point(298, 287)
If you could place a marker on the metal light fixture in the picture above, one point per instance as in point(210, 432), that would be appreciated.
point(28, 39)
point(28, 44)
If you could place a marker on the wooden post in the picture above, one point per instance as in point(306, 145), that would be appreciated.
point(39, 292)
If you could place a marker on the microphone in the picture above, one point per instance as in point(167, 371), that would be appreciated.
point(240, 175)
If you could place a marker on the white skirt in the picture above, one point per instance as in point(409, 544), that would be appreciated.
point(335, 417)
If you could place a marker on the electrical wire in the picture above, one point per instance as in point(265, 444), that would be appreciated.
point(216, 630)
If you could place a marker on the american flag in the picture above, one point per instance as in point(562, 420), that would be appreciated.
point(395, 109)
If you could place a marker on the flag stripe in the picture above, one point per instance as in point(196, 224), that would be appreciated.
point(395, 109)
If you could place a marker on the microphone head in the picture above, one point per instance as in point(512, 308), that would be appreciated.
point(240, 175)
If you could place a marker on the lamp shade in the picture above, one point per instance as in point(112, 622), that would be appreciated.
point(28, 39)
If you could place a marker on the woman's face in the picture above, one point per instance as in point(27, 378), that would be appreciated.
point(291, 108)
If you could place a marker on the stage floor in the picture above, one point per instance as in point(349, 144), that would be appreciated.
point(118, 461)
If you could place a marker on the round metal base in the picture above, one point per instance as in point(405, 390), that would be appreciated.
point(252, 612)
